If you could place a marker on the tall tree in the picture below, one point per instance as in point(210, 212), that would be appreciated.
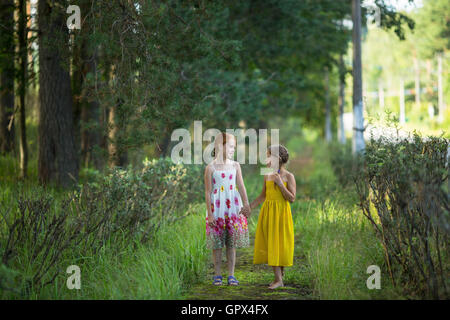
point(401, 96)
point(441, 103)
point(86, 104)
point(7, 76)
point(341, 101)
point(358, 117)
point(57, 159)
point(328, 135)
point(90, 112)
point(22, 84)
point(433, 40)
point(416, 79)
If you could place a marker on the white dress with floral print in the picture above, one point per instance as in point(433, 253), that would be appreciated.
point(231, 228)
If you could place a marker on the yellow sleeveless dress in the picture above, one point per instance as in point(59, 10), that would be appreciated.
point(274, 239)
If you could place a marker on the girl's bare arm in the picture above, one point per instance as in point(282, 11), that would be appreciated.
point(208, 187)
point(240, 183)
point(261, 197)
point(288, 192)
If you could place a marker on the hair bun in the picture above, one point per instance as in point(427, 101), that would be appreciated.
point(282, 153)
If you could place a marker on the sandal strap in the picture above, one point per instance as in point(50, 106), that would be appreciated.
point(232, 279)
point(217, 279)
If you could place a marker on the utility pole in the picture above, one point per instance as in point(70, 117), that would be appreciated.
point(358, 117)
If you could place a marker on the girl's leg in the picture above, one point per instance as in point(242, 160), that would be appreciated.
point(278, 278)
point(231, 260)
point(282, 275)
point(217, 259)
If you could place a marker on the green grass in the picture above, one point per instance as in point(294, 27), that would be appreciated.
point(161, 270)
point(337, 240)
point(334, 245)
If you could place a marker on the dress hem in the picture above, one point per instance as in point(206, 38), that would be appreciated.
point(272, 265)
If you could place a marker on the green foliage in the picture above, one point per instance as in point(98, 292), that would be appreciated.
point(433, 27)
point(337, 242)
point(165, 63)
point(403, 192)
point(391, 19)
point(140, 200)
point(40, 229)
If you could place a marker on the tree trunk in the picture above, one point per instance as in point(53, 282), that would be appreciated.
point(163, 149)
point(57, 159)
point(341, 99)
point(77, 84)
point(441, 103)
point(90, 114)
point(417, 82)
point(402, 101)
point(117, 152)
point(380, 96)
point(7, 77)
point(358, 117)
point(23, 55)
point(105, 74)
point(328, 135)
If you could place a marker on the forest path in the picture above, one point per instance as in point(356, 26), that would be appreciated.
point(255, 278)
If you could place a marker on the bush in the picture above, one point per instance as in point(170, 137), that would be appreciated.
point(403, 192)
point(141, 200)
point(122, 207)
point(37, 236)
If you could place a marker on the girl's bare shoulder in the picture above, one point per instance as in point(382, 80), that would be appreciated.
point(289, 175)
point(209, 168)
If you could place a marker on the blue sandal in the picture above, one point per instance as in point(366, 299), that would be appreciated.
point(217, 280)
point(232, 281)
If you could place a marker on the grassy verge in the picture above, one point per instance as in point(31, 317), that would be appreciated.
point(162, 269)
point(338, 242)
point(254, 279)
point(334, 245)
point(158, 271)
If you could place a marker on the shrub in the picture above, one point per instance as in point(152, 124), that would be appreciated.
point(121, 207)
point(37, 236)
point(141, 200)
point(403, 192)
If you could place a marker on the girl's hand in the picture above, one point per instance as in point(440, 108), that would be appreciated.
point(277, 179)
point(211, 221)
point(245, 210)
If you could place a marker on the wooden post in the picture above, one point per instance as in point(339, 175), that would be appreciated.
point(402, 101)
point(441, 104)
point(417, 82)
point(380, 95)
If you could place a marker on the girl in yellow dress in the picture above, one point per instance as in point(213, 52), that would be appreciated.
point(274, 239)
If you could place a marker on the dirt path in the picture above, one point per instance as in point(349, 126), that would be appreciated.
point(253, 281)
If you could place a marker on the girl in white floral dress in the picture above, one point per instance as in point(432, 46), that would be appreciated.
point(225, 196)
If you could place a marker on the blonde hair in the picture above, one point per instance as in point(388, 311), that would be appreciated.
point(222, 138)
